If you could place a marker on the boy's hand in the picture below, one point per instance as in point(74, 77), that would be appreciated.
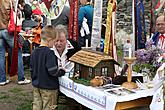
point(62, 73)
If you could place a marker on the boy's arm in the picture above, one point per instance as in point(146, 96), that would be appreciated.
point(52, 65)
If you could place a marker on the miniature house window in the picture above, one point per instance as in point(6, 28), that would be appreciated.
point(77, 67)
point(104, 71)
point(90, 72)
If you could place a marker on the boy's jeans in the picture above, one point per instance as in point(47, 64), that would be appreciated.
point(6, 39)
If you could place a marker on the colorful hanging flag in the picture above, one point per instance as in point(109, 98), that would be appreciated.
point(96, 27)
point(108, 44)
point(47, 3)
point(140, 23)
point(44, 9)
point(114, 51)
point(73, 21)
point(159, 5)
point(56, 8)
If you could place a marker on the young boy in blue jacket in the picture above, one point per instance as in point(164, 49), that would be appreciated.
point(45, 72)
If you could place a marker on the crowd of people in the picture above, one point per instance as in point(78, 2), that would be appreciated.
point(52, 48)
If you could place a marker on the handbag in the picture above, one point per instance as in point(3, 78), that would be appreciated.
point(11, 25)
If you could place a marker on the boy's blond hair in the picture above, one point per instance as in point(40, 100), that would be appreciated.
point(48, 32)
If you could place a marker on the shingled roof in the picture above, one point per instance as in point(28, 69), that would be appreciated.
point(89, 58)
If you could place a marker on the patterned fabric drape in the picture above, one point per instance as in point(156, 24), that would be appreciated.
point(73, 21)
point(140, 23)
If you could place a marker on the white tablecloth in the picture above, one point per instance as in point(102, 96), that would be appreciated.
point(94, 98)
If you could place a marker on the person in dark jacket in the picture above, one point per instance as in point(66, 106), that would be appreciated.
point(45, 72)
point(27, 25)
point(28, 22)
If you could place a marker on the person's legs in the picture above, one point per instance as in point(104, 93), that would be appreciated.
point(49, 98)
point(21, 78)
point(20, 66)
point(2, 57)
point(37, 101)
point(10, 41)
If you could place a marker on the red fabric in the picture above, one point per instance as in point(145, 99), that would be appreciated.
point(157, 5)
point(47, 3)
point(14, 63)
point(70, 31)
point(11, 25)
point(73, 21)
point(162, 37)
point(37, 12)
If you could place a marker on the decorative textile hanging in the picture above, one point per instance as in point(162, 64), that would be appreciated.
point(14, 63)
point(114, 30)
point(73, 21)
point(56, 8)
point(108, 46)
point(114, 51)
point(159, 5)
point(47, 3)
point(96, 27)
point(140, 20)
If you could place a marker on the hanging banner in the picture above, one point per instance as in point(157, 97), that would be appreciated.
point(159, 5)
point(44, 9)
point(14, 62)
point(47, 3)
point(114, 52)
point(56, 8)
point(108, 43)
point(73, 21)
point(140, 20)
point(96, 27)
point(70, 31)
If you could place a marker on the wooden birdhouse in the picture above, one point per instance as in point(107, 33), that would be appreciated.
point(89, 63)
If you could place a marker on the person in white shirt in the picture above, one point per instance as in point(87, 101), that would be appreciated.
point(64, 48)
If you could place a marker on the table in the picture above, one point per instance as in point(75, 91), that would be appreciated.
point(96, 99)
point(145, 101)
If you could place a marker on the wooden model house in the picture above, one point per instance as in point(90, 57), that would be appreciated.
point(90, 63)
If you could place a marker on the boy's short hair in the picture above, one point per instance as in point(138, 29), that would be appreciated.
point(48, 32)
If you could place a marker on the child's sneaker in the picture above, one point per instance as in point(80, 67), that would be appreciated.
point(3, 83)
point(26, 81)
